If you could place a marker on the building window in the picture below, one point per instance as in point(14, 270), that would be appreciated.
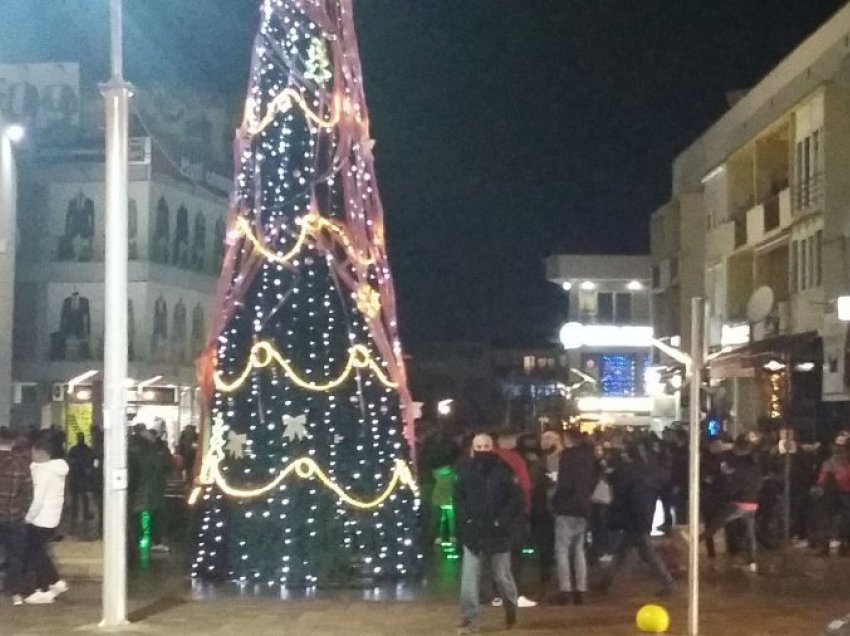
point(528, 363)
point(810, 259)
point(818, 258)
point(623, 308)
point(674, 268)
point(605, 309)
point(656, 277)
point(587, 304)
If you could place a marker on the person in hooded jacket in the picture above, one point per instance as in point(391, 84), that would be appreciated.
point(631, 512)
point(742, 479)
point(488, 503)
point(49, 471)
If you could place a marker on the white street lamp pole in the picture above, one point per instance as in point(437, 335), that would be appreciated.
point(8, 238)
point(117, 95)
point(693, 463)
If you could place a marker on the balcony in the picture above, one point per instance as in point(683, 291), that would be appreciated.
point(740, 232)
point(770, 216)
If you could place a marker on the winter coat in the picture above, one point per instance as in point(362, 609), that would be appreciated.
point(488, 505)
point(743, 479)
point(48, 480)
point(81, 463)
point(577, 477)
point(633, 506)
point(150, 465)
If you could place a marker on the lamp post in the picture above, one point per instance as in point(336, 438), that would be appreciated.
point(10, 134)
point(117, 95)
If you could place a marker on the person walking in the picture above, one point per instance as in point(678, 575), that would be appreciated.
point(488, 502)
point(742, 480)
point(81, 466)
point(506, 449)
point(45, 511)
point(631, 512)
point(150, 464)
point(15, 500)
point(572, 506)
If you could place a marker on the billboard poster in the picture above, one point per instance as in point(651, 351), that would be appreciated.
point(41, 96)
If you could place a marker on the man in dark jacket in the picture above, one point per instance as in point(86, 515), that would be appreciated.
point(488, 504)
point(81, 462)
point(742, 479)
point(15, 500)
point(571, 505)
point(631, 511)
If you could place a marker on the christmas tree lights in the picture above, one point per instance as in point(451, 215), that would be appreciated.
point(305, 477)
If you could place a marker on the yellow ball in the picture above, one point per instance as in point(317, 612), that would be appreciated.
point(652, 619)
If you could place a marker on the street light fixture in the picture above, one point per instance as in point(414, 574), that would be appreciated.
point(15, 133)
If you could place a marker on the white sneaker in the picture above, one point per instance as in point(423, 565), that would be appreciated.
point(59, 587)
point(606, 558)
point(39, 598)
point(496, 602)
point(160, 547)
point(522, 601)
point(753, 568)
point(17, 599)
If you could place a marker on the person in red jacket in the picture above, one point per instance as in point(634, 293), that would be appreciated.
point(835, 478)
point(505, 448)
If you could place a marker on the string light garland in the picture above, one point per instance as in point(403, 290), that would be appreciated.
point(283, 103)
point(264, 354)
point(311, 224)
point(303, 467)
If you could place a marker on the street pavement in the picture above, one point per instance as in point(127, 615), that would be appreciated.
point(791, 597)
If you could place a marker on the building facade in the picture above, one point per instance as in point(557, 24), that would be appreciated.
point(608, 333)
point(176, 237)
point(758, 225)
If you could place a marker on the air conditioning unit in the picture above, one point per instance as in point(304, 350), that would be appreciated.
point(59, 392)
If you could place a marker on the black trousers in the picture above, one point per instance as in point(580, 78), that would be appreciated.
point(38, 559)
point(13, 538)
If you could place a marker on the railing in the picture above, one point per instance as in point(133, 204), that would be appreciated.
point(808, 193)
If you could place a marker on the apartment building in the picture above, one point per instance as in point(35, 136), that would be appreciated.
point(758, 225)
point(608, 332)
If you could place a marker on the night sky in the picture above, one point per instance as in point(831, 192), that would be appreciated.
point(507, 130)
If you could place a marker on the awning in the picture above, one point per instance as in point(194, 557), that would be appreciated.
point(789, 349)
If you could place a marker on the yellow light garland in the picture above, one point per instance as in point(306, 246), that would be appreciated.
point(304, 468)
point(311, 224)
point(263, 354)
point(283, 102)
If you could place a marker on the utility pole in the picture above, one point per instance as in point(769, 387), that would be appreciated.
point(8, 238)
point(117, 95)
point(693, 464)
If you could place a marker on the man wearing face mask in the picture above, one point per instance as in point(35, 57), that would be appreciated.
point(488, 502)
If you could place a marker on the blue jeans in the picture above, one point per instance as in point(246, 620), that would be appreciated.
point(500, 567)
point(570, 553)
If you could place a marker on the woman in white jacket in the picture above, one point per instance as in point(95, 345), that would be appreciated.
point(48, 480)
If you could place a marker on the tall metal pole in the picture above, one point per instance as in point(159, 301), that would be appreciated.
point(8, 238)
point(693, 464)
point(117, 95)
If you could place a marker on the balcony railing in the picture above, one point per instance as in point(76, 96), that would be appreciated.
point(808, 193)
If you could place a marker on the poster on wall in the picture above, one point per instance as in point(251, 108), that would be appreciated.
point(41, 96)
point(78, 419)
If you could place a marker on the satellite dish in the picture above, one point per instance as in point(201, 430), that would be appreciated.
point(760, 304)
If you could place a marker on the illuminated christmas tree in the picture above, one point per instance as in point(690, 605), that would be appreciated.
point(305, 478)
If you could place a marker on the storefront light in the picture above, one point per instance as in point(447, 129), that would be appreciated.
point(574, 335)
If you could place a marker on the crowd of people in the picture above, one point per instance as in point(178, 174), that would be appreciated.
point(589, 500)
point(37, 471)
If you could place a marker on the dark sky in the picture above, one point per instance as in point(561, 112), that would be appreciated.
point(507, 130)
